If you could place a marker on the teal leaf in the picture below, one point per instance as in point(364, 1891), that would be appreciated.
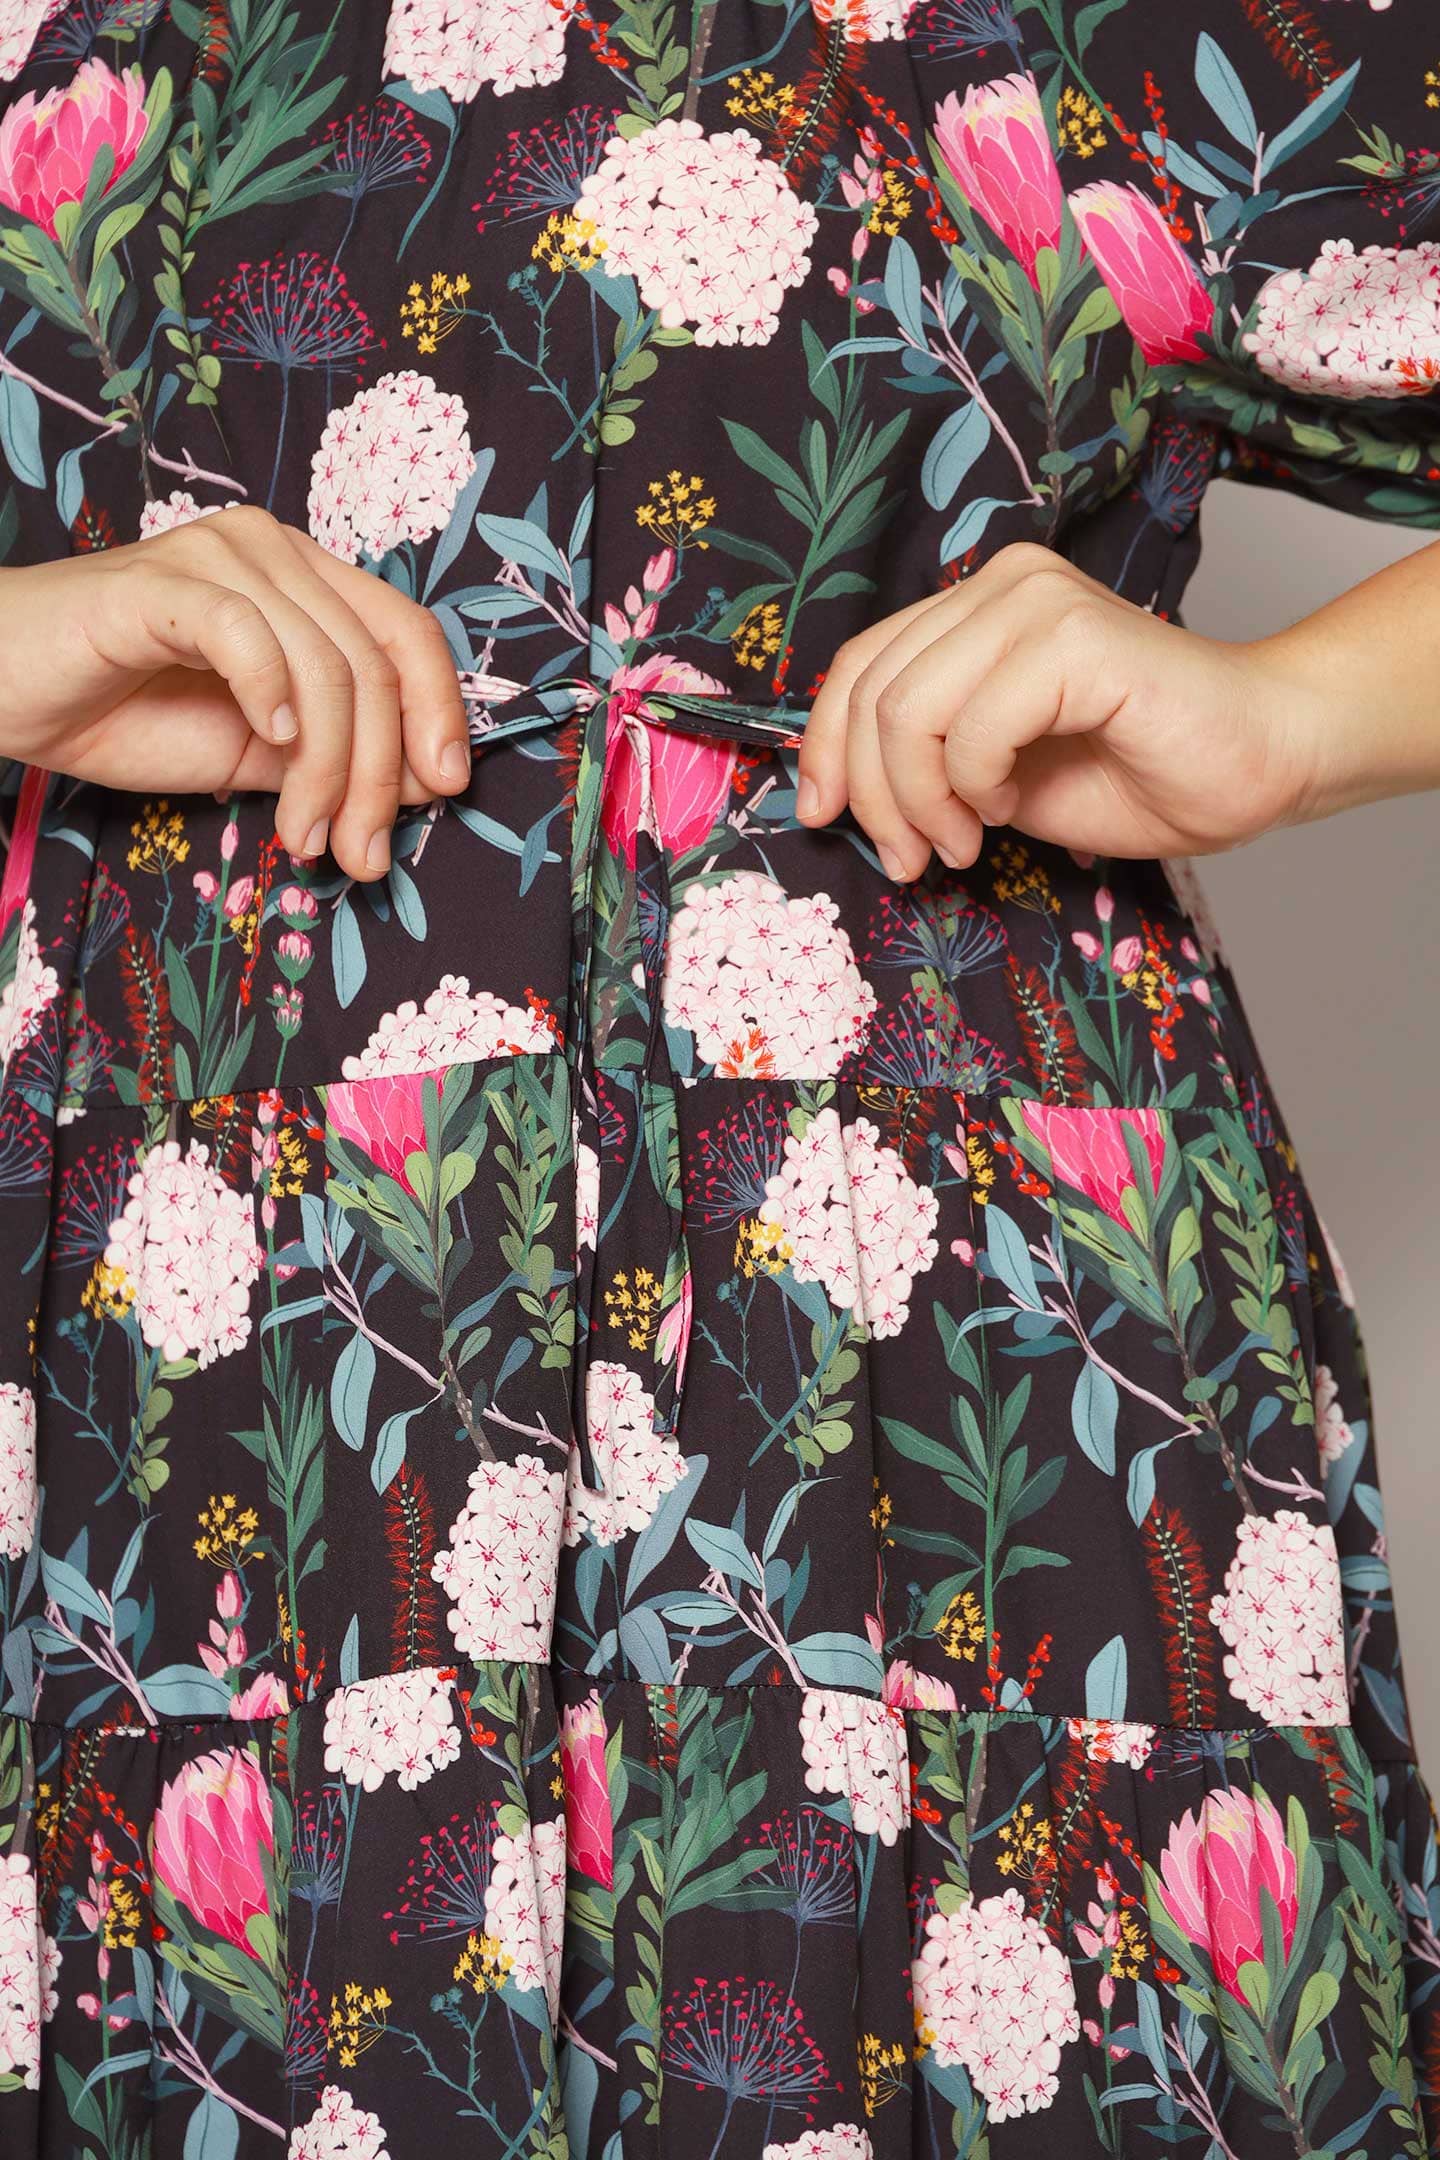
point(213, 2131)
point(833, 1660)
point(902, 290)
point(953, 449)
point(1106, 1681)
point(1006, 1251)
point(1223, 91)
point(1311, 121)
point(1093, 1409)
point(20, 431)
point(347, 953)
point(350, 1386)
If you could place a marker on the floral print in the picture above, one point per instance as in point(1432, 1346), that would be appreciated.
point(655, 1495)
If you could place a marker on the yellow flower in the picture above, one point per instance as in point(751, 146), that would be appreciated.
point(883, 1508)
point(159, 834)
point(121, 1930)
point(1026, 1839)
point(678, 510)
point(635, 1306)
point(227, 1531)
point(1020, 880)
point(961, 1627)
point(567, 242)
point(758, 637)
point(357, 2021)
point(484, 1963)
point(757, 96)
point(109, 1293)
point(982, 1167)
point(1079, 123)
point(430, 316)
point(882, 2071)
point(891, 207)
point(760, 1248)
point(291, 1166)
point(1432, 87)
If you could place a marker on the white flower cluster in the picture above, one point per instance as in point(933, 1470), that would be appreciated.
point(186, 1243)
point(460, 45)
point(711, 231)
point(499, 1568)
point(993, 1992)
point(398, 1723)
point(20, 24)
point(390, 467)
point(587, 1189)
point(1333, 1432)
point(1114, 1740)
point(30, 991)
point(17, 1470)
point(767, 985)
point(865, 21)
point(636, 1463)
point(1281, 1614)
point(338, 2130)
point(525, 1905)
point(853, 1218)
point(847, 2141)
point(454, 1026)
point(29, 1962)
point(1360, 322)
point(857, 1747)
point(179, 507)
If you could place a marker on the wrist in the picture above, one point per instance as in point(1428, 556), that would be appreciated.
point(1346, 723)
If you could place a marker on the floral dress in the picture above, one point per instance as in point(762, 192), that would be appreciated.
point(658, 1498)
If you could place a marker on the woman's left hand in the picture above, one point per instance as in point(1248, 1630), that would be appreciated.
point(1031, 696)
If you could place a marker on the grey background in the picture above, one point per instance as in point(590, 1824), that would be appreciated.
point(1334, 934)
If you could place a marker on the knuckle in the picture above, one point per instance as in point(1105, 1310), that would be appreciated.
point(1029, 558)
point(237, 618)
point(895, 712)
point(375, 672)
point(324, 672)
point(1082, 629)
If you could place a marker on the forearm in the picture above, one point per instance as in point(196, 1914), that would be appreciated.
point(1360, 680)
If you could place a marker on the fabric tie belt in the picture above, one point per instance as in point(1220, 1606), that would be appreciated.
point(635, 1277)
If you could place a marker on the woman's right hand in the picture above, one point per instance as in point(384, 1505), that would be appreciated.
point(232, 652)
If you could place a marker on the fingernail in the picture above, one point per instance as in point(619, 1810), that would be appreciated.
point(377, 854)
point(807, 798)
point(283, 724)
point(455, 762)
point(894, 868)
point(951, 862)
point(316, 837)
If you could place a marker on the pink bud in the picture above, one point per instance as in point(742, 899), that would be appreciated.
point(1190, 949)
point(238, 898)
point(659, 570)
point(206, 885)
point(1087, 943)
point(1104, 903)
point(294, 900)
point(963, 1250)
point(839, 280)
point(294, 945)
point(616, 624)
point(645, 621)
point(229, 841)
point(1200, 990)
point(1107, 1991)
point(1127, 955)
point(230, 1596)
point(860, 242)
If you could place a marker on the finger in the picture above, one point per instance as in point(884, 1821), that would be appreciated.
point(207, 625)
point(433, 718)
point(903, 849)
point(821, 792)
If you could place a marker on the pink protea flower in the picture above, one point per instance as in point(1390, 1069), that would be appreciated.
point(384, 1116)
point(49, 144)
point(689, 777)
point(1219, 1859)
point(1151, 279)
point(996, 144)
point(1087, 1150)
point(213, 1829)
point(589, 1826)
point(907, 1689)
